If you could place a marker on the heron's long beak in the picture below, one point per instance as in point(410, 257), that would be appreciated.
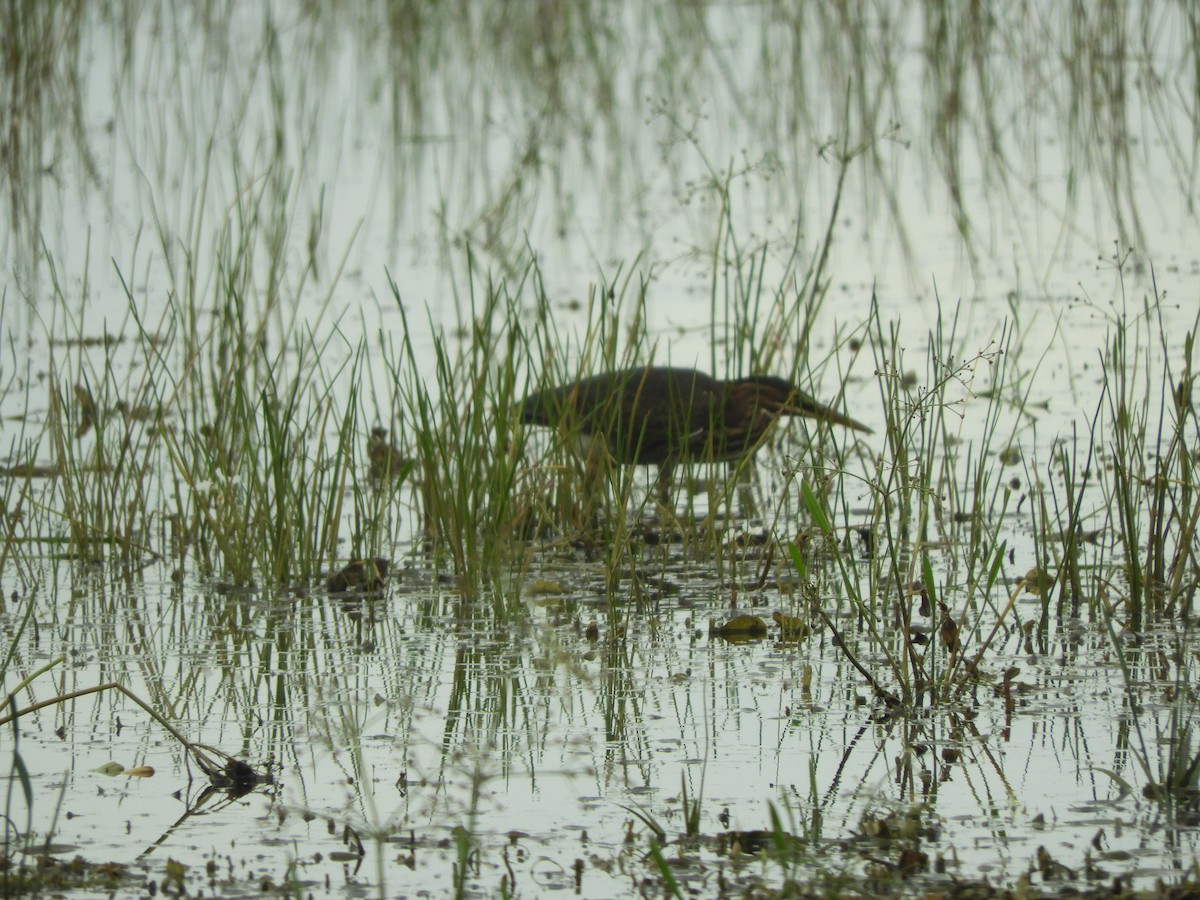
point(801, 404)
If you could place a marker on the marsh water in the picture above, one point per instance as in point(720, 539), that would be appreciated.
point(246, 245)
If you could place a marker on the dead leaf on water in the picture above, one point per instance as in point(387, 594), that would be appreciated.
point(85, 407)
point(948, 630)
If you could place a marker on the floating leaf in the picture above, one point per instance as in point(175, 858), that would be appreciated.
point(111, 769)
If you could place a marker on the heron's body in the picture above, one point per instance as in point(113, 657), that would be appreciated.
point(659, 415)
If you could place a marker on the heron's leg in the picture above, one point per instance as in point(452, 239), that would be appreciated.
point(662, 484)
point(746, 477)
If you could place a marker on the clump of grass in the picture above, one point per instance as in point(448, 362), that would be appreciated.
point(42, 115)
point(266, 484)
point(1150, 480)
point(103, 449)
point(467, 450)
point(913, 498)
point(219, 435)
point(1142, 459)
point(258, 483)
point(1140, 456)
point(928, 594)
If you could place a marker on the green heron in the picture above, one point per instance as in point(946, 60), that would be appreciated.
point(666, 415)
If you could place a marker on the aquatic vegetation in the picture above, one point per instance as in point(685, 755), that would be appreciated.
point(277, 283)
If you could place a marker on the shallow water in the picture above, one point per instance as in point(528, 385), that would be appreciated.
point(692, 150)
